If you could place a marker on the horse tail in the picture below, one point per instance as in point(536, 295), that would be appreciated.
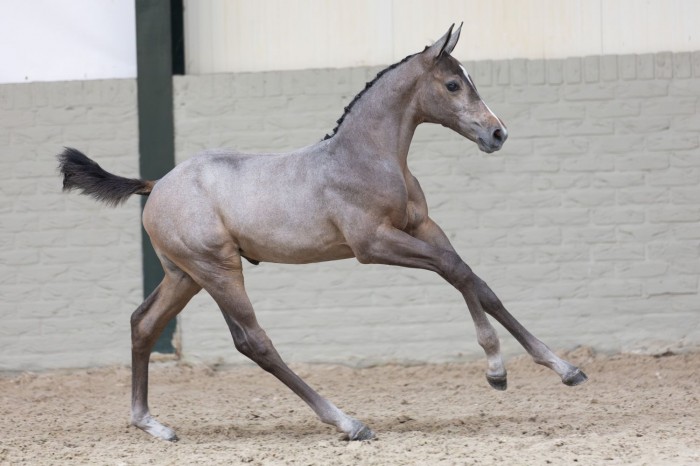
point(80, 172)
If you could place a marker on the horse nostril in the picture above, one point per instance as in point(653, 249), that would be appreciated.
point(499, 135)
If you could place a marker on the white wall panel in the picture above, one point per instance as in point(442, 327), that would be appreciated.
point(249, 35)
point(224, 35)
point(632, 26)
point(48, 40)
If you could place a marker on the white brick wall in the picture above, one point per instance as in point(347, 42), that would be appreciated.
point(587, 223)
point(70, 269)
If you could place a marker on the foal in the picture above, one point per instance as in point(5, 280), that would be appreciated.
point(350, 195)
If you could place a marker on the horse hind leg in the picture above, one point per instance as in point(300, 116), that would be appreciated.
point(147, 323)
point(226, 287)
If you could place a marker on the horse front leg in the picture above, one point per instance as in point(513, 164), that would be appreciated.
point(541, 354)
point(388, 245)
point(486, 335)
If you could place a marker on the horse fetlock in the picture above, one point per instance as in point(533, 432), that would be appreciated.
point(488, 340)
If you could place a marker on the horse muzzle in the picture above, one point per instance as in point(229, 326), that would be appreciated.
point(492, 139)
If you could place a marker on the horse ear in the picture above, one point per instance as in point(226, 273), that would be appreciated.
point(450, 46)
point(437, 50)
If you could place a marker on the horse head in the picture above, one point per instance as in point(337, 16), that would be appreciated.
point(447, 95)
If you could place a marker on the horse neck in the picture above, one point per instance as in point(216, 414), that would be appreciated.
point(384, 120)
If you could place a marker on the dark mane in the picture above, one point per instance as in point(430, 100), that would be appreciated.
point(362, 92)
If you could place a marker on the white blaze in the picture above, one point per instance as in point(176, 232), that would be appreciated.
point(469, 80)
point(466, 75)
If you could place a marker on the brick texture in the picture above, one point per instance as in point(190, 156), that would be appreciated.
point(586, 224)
point(70, 269)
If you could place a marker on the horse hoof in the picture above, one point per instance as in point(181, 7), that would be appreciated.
point(156, 429)
point(499, 382)
point(364, 433)
point(576, 377)
point(171, 438)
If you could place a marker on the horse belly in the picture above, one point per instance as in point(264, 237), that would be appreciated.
point(286, 248)
point(273, 236)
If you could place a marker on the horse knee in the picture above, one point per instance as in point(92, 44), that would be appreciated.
point(455, 271)
point(488, 298)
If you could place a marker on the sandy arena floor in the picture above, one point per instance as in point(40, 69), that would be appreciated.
point(633, 410)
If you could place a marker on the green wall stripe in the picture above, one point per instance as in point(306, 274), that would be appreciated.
point(156, 131)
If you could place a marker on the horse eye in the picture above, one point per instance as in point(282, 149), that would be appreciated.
point(452, 86)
